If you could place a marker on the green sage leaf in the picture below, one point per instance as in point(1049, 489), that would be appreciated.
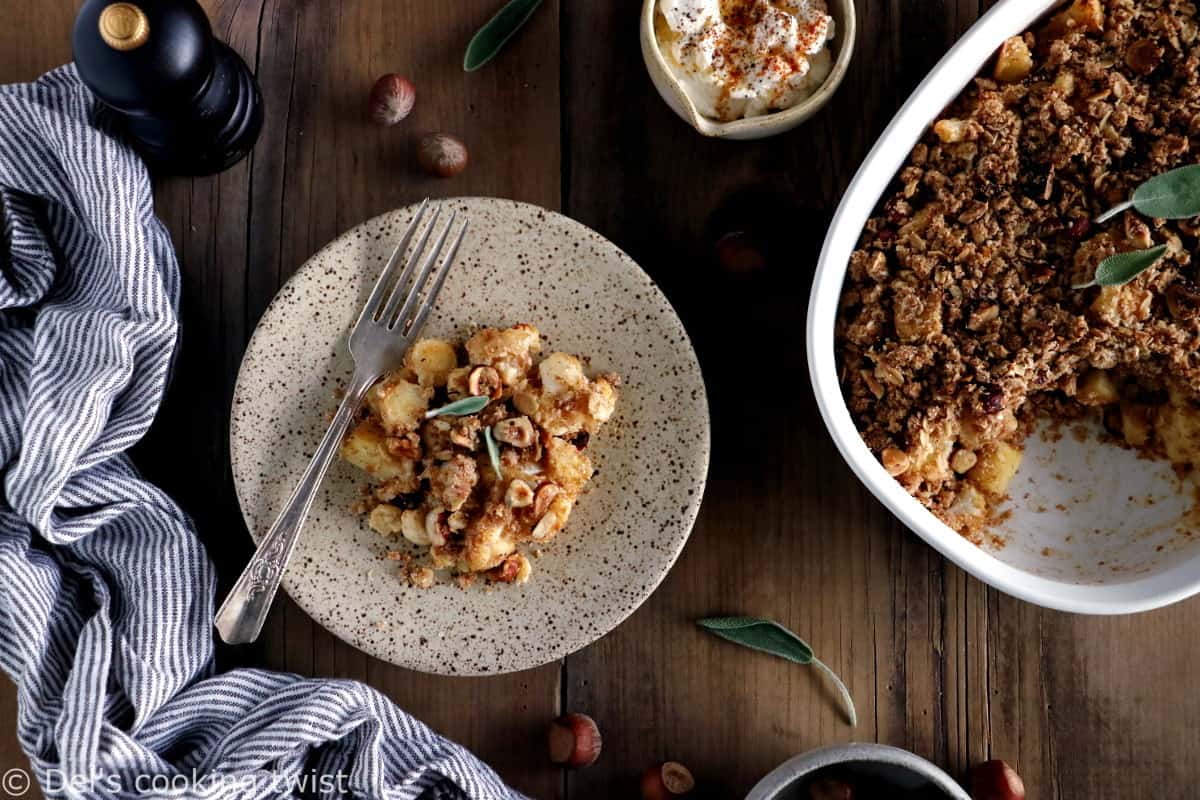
point(496, 32)
point(1120, 269)
point(768, 636)
point(493, 452)
point(764, 635)
point(459, 408)
point(1171, 195)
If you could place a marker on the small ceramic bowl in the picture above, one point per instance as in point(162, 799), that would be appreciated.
point(842, 47)
point(878, 763)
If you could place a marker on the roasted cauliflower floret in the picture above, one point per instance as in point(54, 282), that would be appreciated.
point(386, 519)
point(431, 360)
point(399, 404)
point(490, 538)
point(510, 351)
point(366, 448)
point(564, 401)
point(568, 466)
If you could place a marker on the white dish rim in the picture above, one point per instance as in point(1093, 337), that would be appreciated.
point(935, 92)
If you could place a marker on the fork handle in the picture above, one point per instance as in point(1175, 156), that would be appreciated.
point(241, 616)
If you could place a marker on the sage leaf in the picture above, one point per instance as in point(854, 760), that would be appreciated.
point(1120, 269)
point(493, 452)
point(459, 408)
point(489, 39)
point(768, 636)
point(1171, 195)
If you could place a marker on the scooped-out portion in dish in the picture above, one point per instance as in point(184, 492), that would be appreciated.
point(968, 311)
point(477, 450)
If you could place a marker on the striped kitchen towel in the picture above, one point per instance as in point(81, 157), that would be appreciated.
point(105, 591)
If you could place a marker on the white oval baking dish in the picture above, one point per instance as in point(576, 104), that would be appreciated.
point(1093, 528)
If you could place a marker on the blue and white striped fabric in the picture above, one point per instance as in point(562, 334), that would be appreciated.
point(105, 591)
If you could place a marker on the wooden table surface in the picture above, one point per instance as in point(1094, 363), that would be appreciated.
point(567, 118)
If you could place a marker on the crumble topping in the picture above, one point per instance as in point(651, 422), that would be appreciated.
point(958, 322)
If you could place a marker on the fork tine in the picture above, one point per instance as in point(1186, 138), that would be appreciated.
point(432, 296)
point(410, 302)
point(387, 307)
point(389, 269)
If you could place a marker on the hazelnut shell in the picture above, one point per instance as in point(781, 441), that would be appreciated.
point(392, 99)
point(442, 155)
point(996, 780)
point(667, 780)
point(574, 741)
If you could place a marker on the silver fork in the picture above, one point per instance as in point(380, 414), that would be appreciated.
point(386, 327)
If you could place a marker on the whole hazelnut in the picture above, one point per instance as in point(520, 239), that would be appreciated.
point(392, 99)
point(996, 780)
point(667, 780)
point(442, 155)
point(574, 741)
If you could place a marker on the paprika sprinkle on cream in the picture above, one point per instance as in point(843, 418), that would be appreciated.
point(745, 58)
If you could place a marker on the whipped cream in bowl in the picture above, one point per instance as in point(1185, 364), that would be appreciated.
point(746, 68)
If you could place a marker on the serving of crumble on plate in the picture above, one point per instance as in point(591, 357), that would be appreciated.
point(472, 485)
point(627, 464)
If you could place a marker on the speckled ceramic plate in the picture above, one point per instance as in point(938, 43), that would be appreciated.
point(519, 263)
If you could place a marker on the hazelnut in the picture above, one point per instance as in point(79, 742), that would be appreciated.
point(464, 436)
point(518, 495)
point(392, 99)
point(962, 461)
point(442, 155)
point(516, 431)
point(510, 569)
point(830, 789)
point(996, 780)
point(574, 741)
point(983, 316)
point(545, 495)
point(894, 461)
point(738, 254)
point(547, 526)
point(436, 528)
point(664, 781)
point(485, 382)
point(413, 527)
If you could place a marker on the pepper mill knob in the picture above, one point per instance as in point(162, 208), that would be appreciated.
point(123, 26)
point(187, 102)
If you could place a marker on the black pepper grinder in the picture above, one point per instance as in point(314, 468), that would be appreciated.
point(188, 102)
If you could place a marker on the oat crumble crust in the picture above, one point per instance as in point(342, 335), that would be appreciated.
point(958, 324)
